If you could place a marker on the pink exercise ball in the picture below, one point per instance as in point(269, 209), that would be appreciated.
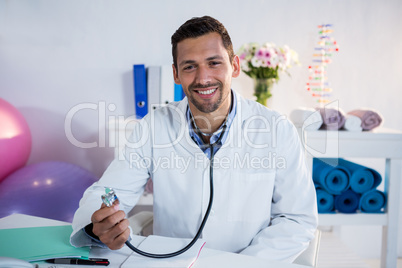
point(49, 189)
point(15, 139)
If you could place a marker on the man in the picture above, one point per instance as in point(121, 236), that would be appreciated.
point(264, 202)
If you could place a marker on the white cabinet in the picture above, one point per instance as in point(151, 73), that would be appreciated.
point(380, 143)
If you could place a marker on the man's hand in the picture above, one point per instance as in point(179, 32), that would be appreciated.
point(110, 225)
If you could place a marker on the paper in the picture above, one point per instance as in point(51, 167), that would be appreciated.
point(160, 245)
point(39, 243)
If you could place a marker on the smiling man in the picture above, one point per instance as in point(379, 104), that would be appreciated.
point(205, 71)
point(264, 203)
point(205, 67)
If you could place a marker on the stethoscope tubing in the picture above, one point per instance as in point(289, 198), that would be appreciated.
point(211, 197)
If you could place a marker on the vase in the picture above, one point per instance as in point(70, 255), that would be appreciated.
point(262, 89)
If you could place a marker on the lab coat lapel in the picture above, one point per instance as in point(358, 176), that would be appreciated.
point(181, 125)
point(234, 139)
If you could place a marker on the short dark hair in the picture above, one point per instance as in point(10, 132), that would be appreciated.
point(199, 26)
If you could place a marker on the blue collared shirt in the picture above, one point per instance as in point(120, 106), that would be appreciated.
point(215, 136)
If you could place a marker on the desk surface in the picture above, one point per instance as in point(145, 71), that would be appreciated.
point(207, 258)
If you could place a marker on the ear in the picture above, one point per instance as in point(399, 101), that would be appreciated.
point(176, 75)
point(236, 66)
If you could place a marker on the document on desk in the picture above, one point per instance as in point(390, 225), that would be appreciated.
point(39, 243)
point(163, 245)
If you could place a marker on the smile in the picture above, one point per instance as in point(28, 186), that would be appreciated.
point(207, 92)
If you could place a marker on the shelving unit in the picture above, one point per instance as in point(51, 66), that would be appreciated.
point(380, 143)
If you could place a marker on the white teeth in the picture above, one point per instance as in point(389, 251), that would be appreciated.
point(207, 91)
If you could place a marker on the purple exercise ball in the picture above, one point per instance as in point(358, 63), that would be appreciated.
point(48, 189)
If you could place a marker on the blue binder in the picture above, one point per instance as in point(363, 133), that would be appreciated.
point(140, 90)
point(178, 92)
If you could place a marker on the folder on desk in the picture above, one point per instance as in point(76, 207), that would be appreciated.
point(40, 243)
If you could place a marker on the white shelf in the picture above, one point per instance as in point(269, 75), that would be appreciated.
point(353, 219)
point(381, 143)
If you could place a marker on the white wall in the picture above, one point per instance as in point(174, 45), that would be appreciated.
point(55, 55)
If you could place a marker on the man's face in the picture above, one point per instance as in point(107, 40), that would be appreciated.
point(205, 72)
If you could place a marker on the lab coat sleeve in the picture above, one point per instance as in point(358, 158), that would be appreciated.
point(294, 215)
point(127, 176)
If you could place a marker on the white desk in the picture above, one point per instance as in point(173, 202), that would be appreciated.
point(380, 143)
point(208, 257)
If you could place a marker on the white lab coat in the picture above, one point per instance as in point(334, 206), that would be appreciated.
point(264, 201)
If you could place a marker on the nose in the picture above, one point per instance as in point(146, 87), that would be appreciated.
point(203, 75)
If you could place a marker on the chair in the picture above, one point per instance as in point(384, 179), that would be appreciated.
point(309, 257)
point(141, 224)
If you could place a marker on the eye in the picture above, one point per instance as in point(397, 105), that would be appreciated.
point(215, 63)
point(188, 67)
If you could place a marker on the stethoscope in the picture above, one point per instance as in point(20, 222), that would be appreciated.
point(112, 197)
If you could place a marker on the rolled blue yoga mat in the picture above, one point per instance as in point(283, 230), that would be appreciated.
point(362, 179)
point(372, 202)
point(333, 179)
point(347, 202)
point(325, 201)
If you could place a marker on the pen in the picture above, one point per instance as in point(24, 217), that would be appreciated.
point(94, 261)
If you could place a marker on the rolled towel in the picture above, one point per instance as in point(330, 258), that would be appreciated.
point(306, 118)
point(347, 202)
point(353, 123)
point(333, 179)
point(370, 119)
point(325, 201)
point(333, 119)
point(372, 202)
point(362, 178)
